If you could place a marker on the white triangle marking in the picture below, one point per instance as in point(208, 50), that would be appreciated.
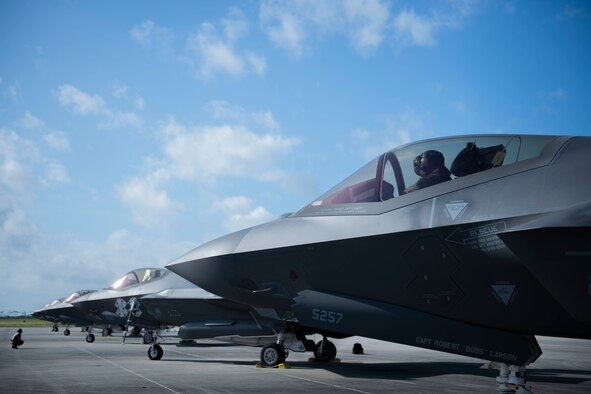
point(455, 208)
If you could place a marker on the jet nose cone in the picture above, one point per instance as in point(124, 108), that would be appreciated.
point(212, 266)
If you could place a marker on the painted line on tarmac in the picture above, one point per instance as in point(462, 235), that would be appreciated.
point(329, 384)
point(188, 354)
point(125, 369)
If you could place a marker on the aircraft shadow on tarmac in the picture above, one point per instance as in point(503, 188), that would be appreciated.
point(201, 345)
point(418, 370)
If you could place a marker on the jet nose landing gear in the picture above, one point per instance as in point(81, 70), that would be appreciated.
point(155, 352)
point(273, 355)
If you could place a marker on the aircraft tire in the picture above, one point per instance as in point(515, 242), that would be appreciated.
point(66, 332)
point(136, 331)
point(90, 338)
point(155, 352)
point(148, 338)
point(325, 351)
point(272, 355)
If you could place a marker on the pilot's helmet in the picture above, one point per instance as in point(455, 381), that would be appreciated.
point(428, 161)
point(19, 330)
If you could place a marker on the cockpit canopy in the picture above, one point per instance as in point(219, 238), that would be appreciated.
point(78, 294)
point(400, 171)
point(142, 275)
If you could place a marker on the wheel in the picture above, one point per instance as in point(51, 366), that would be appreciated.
point(136, 331)
point(155, 352)
point(105, 332)
point(325, 351)
point(148, 338)
point(66, 332)
point(272, 355)
point(90, 338)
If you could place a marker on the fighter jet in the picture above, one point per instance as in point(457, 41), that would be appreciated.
point(62, 311)
point(155, 298)
point(118, 304)
point(200, 314)
point(470, 245)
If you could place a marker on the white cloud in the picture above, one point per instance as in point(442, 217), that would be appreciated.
point(85, 104)
point(119, 90)
point(57, 140)
point(229, 150)
point(241, 213)
point(283, 28)
point(414, 28)
point(29, 121)
point(149, 203)
point(293, 24)
point(220, 109)
point(56, 173)
point(290, 24)
point(13, 91)
point(257, 63)
point(16, 158)
point(82, 103)
point(235, 25)
point(13, 174)
point(367, 21)
point(149, 35)
point(118, 119)
point(139, 103)
point(266, 120)
point(207, 155)
point(217, 52)
point(361, 135)
point(558, 94)
point(21, 163)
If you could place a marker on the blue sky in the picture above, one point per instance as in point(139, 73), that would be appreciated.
point(131, 132)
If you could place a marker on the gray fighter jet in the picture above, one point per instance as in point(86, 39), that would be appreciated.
point(469, 245)
point(155, 298)
point(118, 304)
point(62, 311)
point(199, 314)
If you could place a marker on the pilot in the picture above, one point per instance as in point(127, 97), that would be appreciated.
point(16, 340)
point(429, 165)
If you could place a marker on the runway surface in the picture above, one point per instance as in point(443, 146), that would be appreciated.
point(53, 363)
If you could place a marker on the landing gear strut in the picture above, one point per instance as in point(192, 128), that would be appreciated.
point(325, 350)
point(274, 353)
point(155, 351)
point(511, 379)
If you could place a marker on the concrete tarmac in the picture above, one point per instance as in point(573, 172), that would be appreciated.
point(53, 363)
